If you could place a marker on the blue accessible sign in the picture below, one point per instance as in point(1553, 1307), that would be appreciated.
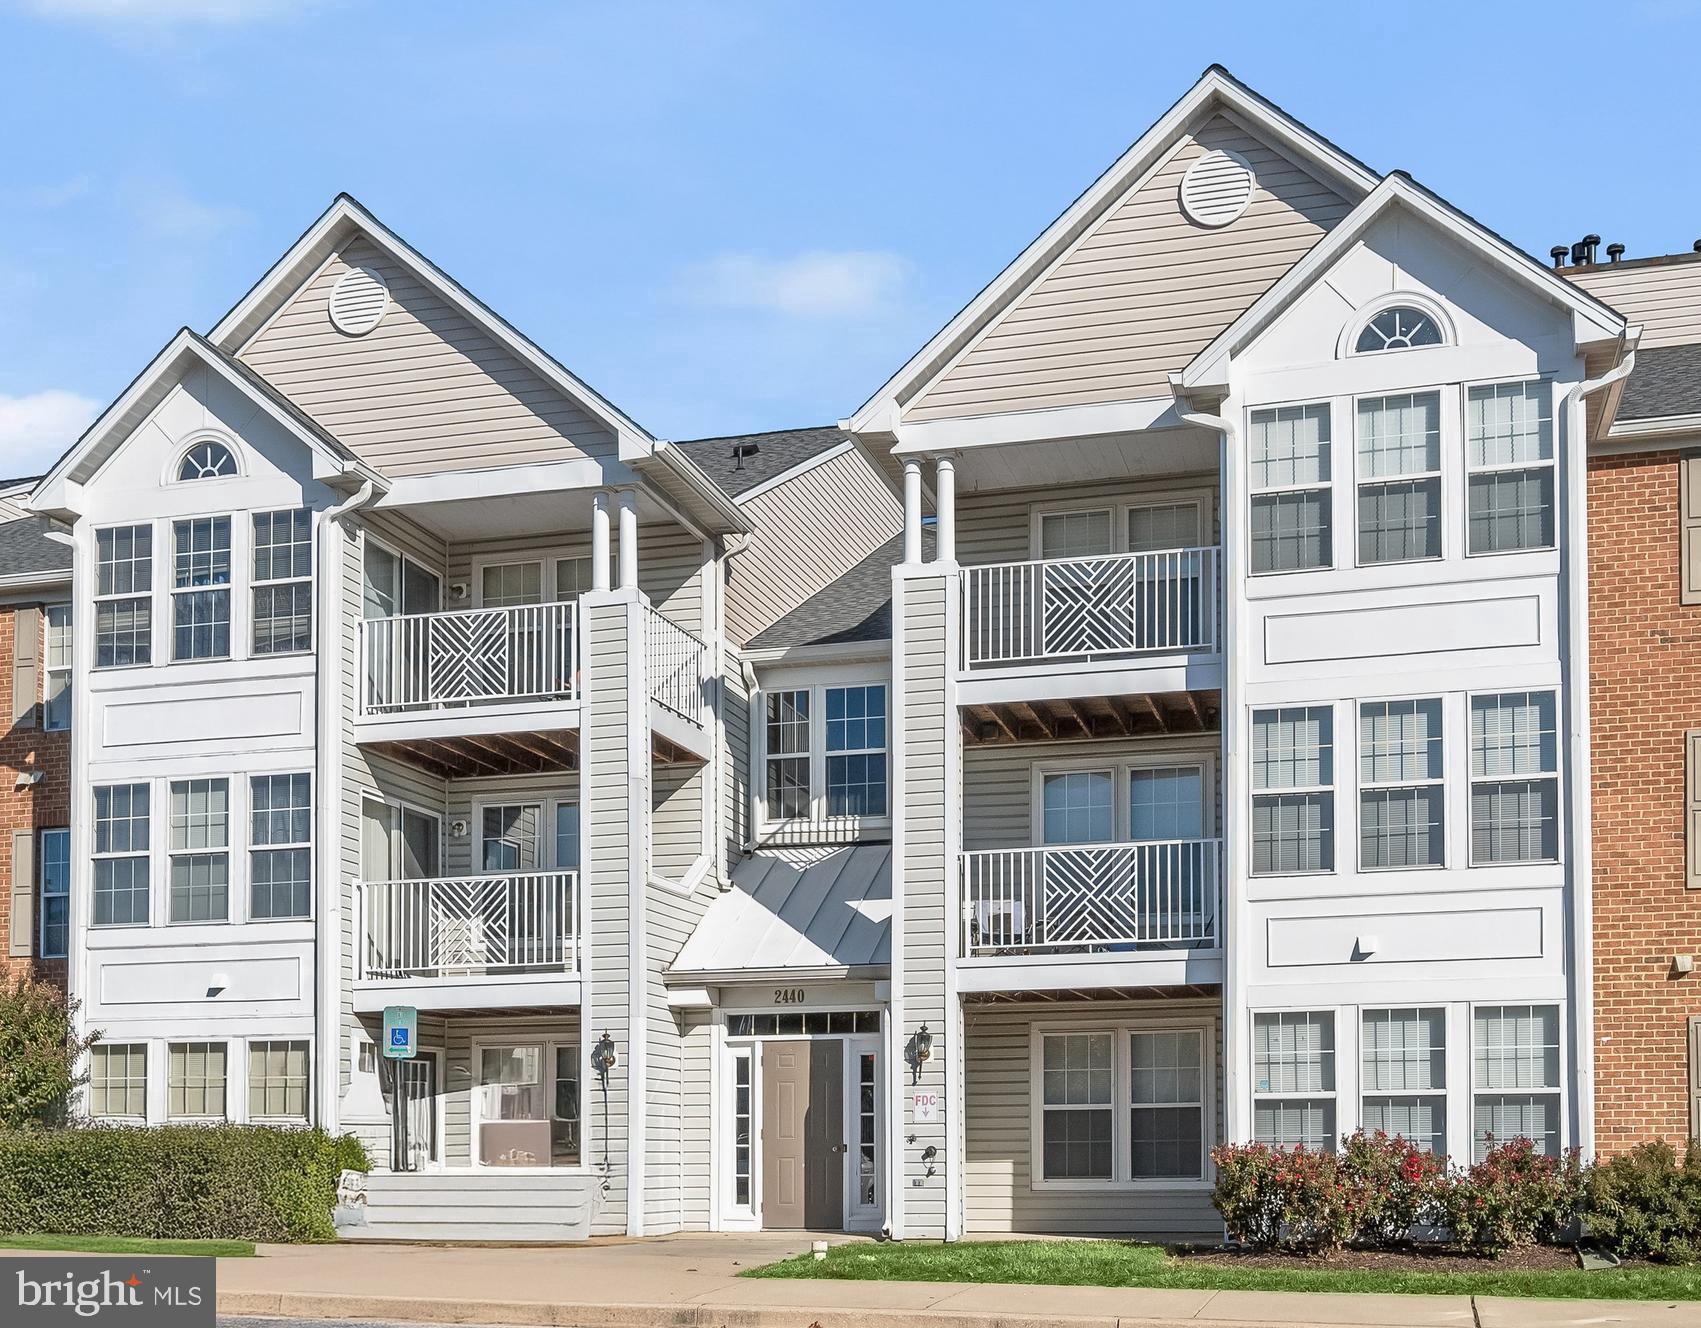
point(401, 1032)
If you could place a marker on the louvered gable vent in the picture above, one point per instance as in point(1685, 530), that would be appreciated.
point(359, 301)
point(1217, 188)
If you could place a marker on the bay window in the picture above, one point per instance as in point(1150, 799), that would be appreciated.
point(124, 576)
point(1404, 1075)
point(199, 850)
point(280, 858)
point(283, 582)
point(824, 753)
point(121, 841)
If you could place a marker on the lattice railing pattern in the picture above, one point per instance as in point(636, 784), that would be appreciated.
point(1089, 608)
point(1092, 897)
point(422, 660)
point(675, 660)
point(471, 924)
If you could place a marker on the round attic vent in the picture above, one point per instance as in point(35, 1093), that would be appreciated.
point(1217, 188)
point(359, 301)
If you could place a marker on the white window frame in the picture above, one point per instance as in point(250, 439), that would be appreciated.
point(1121, 771)
point(145, 855)
point(252, 848)
point(392, 869)
point(548, 808)
point(58, 664)
point(1556, 776)
point(1423, 304)
point(64, 894)
point(147, 1069)
point(1331, 790)
point(256, 583)
point(1324, 486)
point(1362, 481)
point(234, 627)
point(817, 683)
point(741, 1216)
point(1334, 1096)
point(1365, 785)
point(234, 808)
point(475, 1104)
point(202, 438)
point(1471, 471)
point(1558, 1093)
point(403, 562)
point(548, 561)
point(1366, 1094)
point(143, 596)
point(249, 1114)
point(226, 1044)
point(1118, 509)
point(1121, 1104)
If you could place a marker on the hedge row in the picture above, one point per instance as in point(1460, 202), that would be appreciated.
point(1380, 1190)
point(231, 1182)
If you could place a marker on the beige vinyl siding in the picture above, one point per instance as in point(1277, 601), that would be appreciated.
point(807, 532)
point(1665, 298)
point(696, 1198)
point(427, 390)
point(998, 1193)
point(676, 818)
point(735, 756)
point(927, 887)
point(997, 527)
point(1141, 293)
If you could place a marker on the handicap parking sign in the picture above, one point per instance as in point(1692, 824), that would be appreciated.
point(401, 1024)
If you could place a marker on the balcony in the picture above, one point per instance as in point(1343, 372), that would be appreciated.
point(469, 942)
point(1141, 619)
point(1138, 908)
point(677, 662)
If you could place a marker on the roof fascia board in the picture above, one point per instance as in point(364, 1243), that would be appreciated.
point(849, 652)
point(1216, 90)
point(1592, 321)
point(497, 482)
point(1033, 426)
point(1651, 427)
point(720, 511)
point(802, 467)
point(35, 581)
point(737, 977)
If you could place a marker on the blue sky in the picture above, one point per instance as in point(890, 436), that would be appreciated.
point(737, 216)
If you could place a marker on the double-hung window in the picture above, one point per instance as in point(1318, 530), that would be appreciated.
point(1399, 478)
point(200, 850)
point(283, 582)
point(1293, 1080)
point(1078, 1106)
point(1291, 518)
point(55, 893)
point(280, 856)
point(1293, 801)
point(1404, 1069)
point(1515, 1053)
point(118, 1081)
point(788, 754)
point(56, 677)
point(1510, 458)
point(124, 578)
point(1514, 778)
point(195, 1080)
point(1401, 789)
point(824, 753)
point(856, 750)
point(277, 1081)
point(200, 588)
point(1167, 1104)
point(121, 844)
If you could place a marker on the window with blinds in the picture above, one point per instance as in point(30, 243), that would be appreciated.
point(1401, 785)
point(1399, 478)
point(1293, 801)
point(1293, 1079)
point(1291, 517)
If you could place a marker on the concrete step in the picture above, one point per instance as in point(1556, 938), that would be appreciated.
point(488, 1231)
point(405, 1182)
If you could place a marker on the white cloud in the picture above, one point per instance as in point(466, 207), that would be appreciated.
point(37, 427)
point(163, 11)
point(816, 284)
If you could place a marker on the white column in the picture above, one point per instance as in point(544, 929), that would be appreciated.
point(599, 540)
point(945, 505)
point(628, 539)
point(912, 511)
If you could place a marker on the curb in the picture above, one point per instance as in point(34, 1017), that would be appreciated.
point(534, 1314)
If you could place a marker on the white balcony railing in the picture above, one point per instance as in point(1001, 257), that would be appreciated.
point(422, 661)
point(1092, 897)
point(1090, 608)
point(470, 925)
point(676, 660)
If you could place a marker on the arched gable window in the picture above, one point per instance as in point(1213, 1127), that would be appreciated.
point(208, 460)
point(1400, 327)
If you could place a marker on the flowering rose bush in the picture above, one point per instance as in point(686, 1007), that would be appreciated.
point(1402, 1185)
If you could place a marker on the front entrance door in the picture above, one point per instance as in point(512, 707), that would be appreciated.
point(803, 1144)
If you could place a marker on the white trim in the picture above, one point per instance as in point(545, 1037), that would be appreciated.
point(550, 1044)
point(174, 460)
point(925, 437)
point(1422, 302)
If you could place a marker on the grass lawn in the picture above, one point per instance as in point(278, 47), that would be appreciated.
point(224, 1249)
point(1110, 1263)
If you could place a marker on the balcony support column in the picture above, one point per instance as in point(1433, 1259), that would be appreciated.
point(912, 510)
point(628, 539)
point(945, 505)
point(599, 540)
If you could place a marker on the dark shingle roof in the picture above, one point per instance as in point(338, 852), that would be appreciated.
point(1665, 381)
point(776, 453)
point(25, 549)
point(856, 607)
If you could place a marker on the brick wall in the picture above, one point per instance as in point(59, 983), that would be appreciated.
point(1645, 692)
point(41, 806)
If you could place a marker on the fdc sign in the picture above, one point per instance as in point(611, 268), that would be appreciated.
point(401, 1032)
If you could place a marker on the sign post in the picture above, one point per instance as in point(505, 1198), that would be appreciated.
point(401, 1043)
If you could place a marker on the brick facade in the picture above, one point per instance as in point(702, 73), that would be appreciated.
point(1645, 690)
point(40, 806)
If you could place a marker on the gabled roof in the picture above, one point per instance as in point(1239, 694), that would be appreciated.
point(776, 452)
point(28, 557)
point(1216, 91)
point(855, 608)
point(345, 218)
point(1665, 383)
point(1593, 321)
point(56, 492)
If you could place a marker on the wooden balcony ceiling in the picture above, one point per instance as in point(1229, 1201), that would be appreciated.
point(1184, 993)
point(1146, 715)
point(489, 753)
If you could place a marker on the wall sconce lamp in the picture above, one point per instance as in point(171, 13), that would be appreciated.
point(923, 1044)
point(603, 1057)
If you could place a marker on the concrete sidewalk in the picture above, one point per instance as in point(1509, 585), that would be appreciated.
point(692, 1282)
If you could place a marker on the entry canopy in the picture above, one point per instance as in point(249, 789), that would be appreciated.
point(797, 912)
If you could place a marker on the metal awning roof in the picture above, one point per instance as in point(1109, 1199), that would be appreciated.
point(823, 909)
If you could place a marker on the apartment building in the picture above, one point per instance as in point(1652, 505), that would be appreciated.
point(1158, 715)
point(1644, 614)
point(35, 764)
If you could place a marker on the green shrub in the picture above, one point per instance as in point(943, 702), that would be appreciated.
point(1294, 1199)
point(1514, 1197)
point(174, 1181)
point(1401, 1184)
point(39, 1051)
point(1646, 1205)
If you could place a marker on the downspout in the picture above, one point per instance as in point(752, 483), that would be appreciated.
point(1582, 798)
point(1229, 800)
point(327, 788)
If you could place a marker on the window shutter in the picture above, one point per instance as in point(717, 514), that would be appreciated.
point(26, 664)
point(1689, 527)
point(23, 894)
point(1692, 809)
point(1695, 1076)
